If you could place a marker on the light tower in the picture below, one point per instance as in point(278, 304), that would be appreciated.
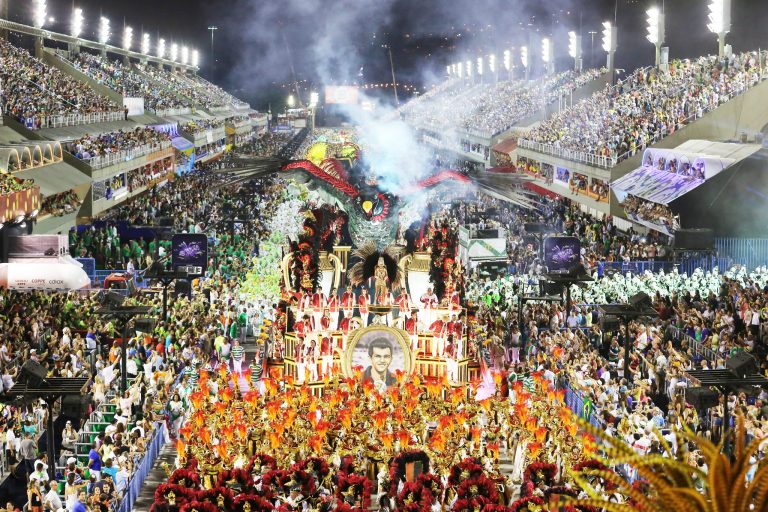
point(75, 29)
point(609, 45)
point(524, 60)
point(492, 67)
point(548, 55)
point(468, 69)
point(574, 49)
point(656, 30)
point(39, 19)
point(508, 63)
point(480, 69)
point(720, 22)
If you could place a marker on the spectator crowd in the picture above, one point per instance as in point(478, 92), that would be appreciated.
point(649, 105)
point(32, 92)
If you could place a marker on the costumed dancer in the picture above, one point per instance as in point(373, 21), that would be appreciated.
point(404, 304)
point(413, 326)
point(326, 354)
point(438, 328)
point(318, 306)
point(388, 300)
point(429, 303)
point(380, 278)
point(333, 309)
point(362, 305)
point(452, 363)
point(310, 361)
point(456, 328)
point(305, 304)
point(348, 302)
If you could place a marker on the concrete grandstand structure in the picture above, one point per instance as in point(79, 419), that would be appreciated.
point(581, 143)
point(193, 120)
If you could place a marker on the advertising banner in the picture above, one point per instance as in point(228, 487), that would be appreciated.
point(135, 106)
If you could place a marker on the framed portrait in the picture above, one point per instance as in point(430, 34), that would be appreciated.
point(380, 351)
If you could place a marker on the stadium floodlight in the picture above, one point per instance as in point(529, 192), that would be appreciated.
point(460, 69)
point(507, 59)
point(469, 69)
point(127, 38)
point(184, 55)
point(174, 52)
point(492, 63)
point(609, 37)
point(161, 48)
point(448, 70)
point(104, 30)
point(145, 43)
point(720, 21)
point(480, 66)
point(314, 98)
point(291, 101)
point(41, 13)
point(196, 58)
point(574, 49)
point(524, 56)
point(609, 45)
point(655, 30)
point(546, 48)
point(77, 22)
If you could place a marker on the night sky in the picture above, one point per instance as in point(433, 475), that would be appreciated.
point(263, 44)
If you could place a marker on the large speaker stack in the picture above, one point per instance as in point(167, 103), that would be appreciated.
point(742, 364)
point(701, 398)
point(694, 240)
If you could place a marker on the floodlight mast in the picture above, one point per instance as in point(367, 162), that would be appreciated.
point(720, 22)
point(656, 33)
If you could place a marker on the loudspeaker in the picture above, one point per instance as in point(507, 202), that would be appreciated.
point(742, 364)
point(33, 373)
point(548, 288)
point(640, 299)
point(694, 239)
point(537, 227)
point(701, 398)
point(610, 324)
point(182, 288)
point(76, 406)
point(144, 324)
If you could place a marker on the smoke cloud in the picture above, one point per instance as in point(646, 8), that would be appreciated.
point(330, 41)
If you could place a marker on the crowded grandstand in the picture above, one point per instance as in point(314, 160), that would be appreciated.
point(532, 287)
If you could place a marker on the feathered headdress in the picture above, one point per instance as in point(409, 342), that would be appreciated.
point(369, 257)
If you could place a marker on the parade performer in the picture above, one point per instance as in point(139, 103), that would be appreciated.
point(362, 305)
point(326, 354)
point(388, 300)
point(333, 309)
point(404, 304)
point(438, 329)
point(305, 303)
point(348, 302)
point(318, 306)
point(429, 303)
point(413, 326)
point(456, 328)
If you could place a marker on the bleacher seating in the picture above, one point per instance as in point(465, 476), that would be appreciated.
point(41, 96)
point(129, 83)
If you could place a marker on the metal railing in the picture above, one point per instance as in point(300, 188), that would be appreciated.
point(58, 121)
point(125, 155)
point(172, 112)
point(602, 161)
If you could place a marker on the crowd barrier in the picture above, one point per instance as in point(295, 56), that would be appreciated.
point(140, 475)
